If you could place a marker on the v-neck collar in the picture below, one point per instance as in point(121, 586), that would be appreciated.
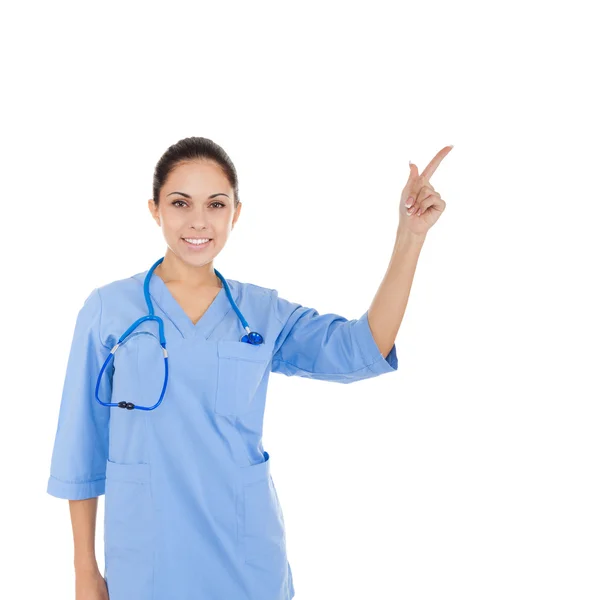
point(163, 298)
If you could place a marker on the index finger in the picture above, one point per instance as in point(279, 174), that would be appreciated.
point(433, 165)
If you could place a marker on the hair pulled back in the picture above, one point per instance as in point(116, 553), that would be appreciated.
point(188, 150)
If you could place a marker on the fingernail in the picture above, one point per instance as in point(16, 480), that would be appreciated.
point(409, 202)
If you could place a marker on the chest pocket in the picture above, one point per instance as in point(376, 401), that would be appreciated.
point(241, 368)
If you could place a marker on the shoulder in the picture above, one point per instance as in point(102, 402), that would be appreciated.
point(265, 299)
point(98, 295)
point(109, 295)
point(120, 287)
point(269, 299)
point(249, 291)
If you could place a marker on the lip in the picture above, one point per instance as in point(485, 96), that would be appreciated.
point(196, 247)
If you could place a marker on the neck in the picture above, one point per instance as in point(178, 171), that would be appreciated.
point(173, 270)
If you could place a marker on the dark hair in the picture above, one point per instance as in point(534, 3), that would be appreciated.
point(191, 149)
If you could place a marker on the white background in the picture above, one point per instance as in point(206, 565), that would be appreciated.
point(471, 472)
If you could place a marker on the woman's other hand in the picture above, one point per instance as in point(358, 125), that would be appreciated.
point(90, 585)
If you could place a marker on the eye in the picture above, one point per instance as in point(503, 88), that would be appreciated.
point(175, 203)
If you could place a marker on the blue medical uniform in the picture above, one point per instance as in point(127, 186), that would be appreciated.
point(191, 511)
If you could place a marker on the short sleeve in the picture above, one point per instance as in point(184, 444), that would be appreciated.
point(78, 464)
point(327, 346)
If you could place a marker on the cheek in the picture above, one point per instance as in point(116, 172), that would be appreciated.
point(171, 222)
point(222, 223)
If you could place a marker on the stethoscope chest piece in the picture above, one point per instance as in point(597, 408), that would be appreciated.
point(253, 337)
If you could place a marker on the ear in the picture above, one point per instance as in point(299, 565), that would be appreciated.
point(153, 210)
point(237, 213)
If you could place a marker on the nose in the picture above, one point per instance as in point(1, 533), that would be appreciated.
point(198, 218)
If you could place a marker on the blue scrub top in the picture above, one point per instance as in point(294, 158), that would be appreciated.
point(191, 510)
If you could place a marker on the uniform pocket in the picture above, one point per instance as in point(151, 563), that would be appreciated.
point(262, 529)
point(241, 368)
point(129, 531)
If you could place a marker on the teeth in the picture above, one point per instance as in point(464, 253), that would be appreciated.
point(197, 242)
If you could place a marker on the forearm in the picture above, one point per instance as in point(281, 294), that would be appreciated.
point(388, 306)
point(83, 520)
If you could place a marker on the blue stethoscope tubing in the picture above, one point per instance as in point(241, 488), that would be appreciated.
point(251, 337)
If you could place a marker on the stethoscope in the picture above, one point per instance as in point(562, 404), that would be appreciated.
point(251, 337)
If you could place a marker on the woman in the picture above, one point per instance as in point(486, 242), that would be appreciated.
point(165, 419)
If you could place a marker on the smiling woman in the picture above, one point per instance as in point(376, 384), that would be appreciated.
point(196, 198)
point(191, 506)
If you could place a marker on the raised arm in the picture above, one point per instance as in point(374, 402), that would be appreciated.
point(388, 306)
point(420, 207)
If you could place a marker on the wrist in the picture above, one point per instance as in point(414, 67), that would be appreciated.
point(407, 237)
point(87, 564)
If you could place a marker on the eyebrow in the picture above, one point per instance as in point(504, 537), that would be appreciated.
point(209, 197)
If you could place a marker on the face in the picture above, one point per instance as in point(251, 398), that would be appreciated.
point(196, 201)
